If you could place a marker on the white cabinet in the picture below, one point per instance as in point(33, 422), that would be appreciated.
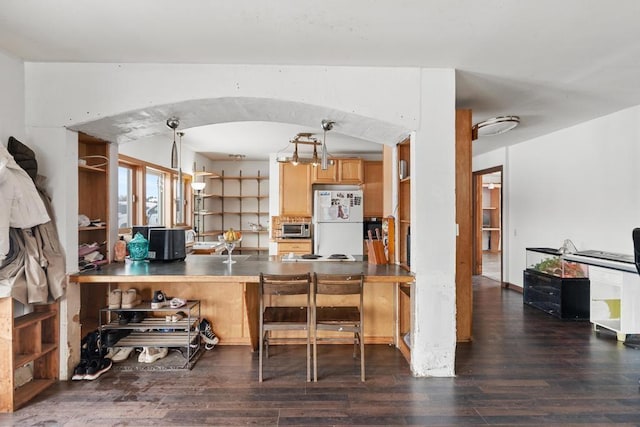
point(614, 291)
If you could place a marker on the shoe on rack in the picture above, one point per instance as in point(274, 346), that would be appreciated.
point(151, 354)
point(208, 336)
point(159, 300)
point(115, 298)
point(122, 354)
point(156, 353)
point(142, 357)
point(137, 317)
point(176, 317)
point(97, 367)
point(177, 303)
point(130, 298)
point(80, 370)
point(124, 317)
point(112, 336)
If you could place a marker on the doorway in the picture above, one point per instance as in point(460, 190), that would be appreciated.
point(487, 222)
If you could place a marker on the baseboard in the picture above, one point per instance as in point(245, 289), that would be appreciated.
point(512, 287)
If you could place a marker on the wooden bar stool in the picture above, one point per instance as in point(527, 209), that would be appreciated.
point(341, 318)
point(278, 318)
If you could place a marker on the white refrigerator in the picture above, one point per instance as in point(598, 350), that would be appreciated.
point(337, 222)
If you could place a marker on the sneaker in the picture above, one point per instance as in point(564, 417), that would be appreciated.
point(122, 354)
point(137, 316)
point(130, 298)
point(153, 353)
point(159, 300)
point(177, 303)
point(112, 336)
point(176, 317)
point(207, 334)
point(142, 357)
point(97, 367)
point(115, 298)
point(124, 317)
point(80, 370)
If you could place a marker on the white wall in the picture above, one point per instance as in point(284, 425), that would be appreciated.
point(433, 228)
point(581, 183)
point(85, 92)
point(12, 110)
point(12, 122)
point(157, 150)
point(62, 94)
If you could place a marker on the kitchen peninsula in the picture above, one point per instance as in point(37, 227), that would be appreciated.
point(229, 293)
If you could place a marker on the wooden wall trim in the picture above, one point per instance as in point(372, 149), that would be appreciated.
point(464, 219)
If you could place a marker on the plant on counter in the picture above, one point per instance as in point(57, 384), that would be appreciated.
point(560, 268)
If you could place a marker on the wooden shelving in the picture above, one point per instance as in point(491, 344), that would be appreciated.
point(29, 343)
point(93, 190)
point(491, 217)
point(404, 331)
point(93, 201)
point(230, 205)
point(404, 204)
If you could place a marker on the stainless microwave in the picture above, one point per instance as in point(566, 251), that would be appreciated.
point(296, 230)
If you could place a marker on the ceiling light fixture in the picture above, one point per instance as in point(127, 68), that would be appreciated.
point(303, 138)
point(180, 200)
point(324, 158)
point(315, 161)
point(295, 158)
point(237, 156)
point(495, 126)
point(173, 123)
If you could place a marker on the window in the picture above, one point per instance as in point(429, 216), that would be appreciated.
point(154, 197)
point(148, 195)
point(125, 197)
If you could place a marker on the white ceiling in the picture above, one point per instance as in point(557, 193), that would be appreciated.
point(553, 63)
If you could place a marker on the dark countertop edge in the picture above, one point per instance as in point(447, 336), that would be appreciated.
point(197, 268)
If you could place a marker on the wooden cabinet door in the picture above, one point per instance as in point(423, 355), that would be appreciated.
point(372, 189)
point(328, 176)
point(299, 248)
point(350, 171)
point(295, 190)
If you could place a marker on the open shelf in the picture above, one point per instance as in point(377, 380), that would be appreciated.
point(32, 339)
point(234, 201)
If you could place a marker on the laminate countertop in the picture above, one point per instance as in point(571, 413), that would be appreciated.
point(210, 268)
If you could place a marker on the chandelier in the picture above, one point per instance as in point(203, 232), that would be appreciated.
point(305, 138)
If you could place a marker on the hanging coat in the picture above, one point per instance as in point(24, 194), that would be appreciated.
point(20, 203)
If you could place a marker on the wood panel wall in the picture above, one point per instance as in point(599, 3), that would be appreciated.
point(464, 219)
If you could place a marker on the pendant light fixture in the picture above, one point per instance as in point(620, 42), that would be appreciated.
point(295, 158)
point(304, 138)
point(173, 123)
point(180, 201)
point(315, 161)
point(324, 158)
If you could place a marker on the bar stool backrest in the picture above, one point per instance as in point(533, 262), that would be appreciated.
point(274, 318)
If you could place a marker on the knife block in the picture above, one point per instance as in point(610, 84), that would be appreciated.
point(375, 252)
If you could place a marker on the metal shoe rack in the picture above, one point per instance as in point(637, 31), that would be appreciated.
point(154, 331)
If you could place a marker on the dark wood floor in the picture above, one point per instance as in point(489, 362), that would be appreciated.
point(523, 367)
